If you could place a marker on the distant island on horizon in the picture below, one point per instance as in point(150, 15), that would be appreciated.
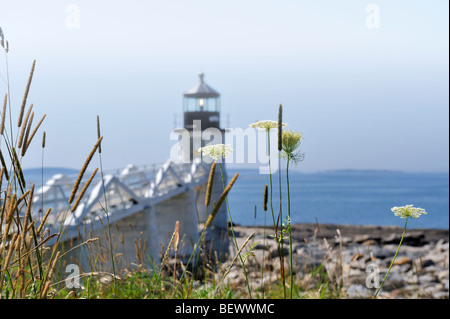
point(51, 170)
point(348, 171)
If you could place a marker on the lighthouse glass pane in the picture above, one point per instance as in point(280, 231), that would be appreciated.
point(201, 104)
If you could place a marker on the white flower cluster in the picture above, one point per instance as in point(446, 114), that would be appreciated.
point(217, 151)
point(267, 125)
point(408, 211)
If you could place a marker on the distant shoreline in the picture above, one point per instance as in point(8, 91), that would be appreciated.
point(344, 171)
point(255, 169)
point(300, 231)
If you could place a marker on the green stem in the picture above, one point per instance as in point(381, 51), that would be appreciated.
point(289, 218)
point(281, 218)
point(42, 185)
point(392, 263)
point(234, 237)
point(273, 217)
point(262, 266)
point(270, 177)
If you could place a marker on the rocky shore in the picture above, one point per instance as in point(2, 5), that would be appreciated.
point(355, 258)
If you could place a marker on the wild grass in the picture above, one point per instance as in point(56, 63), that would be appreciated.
point(29, 268)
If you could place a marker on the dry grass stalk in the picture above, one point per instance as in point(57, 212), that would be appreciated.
point(177, 236)
point(28, 210)
point(2, 124)
point(175, 247)
point(9, 254)
point(11, 205)
point(89, 241)
point(83, 169)
point(43, 139)
point(266, 196)
point(25, 146)
point(280, 128)
point(210, 184)
point(83, 190)
point(7, 198)
point(24, 127)
point(2, 170)
point(44, 220)
point(138, 253)
point(18, 168)
point(49, 276)
point(21, 270)
point(27, 89)
point(21, 198)
point(27, 131)
point(98, 134)
point(30, 238)
point(5, 170)
point(25, 138)
point(166, 254)
point(220, 201)
point(7, 259)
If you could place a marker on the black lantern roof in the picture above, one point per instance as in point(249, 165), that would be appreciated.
point(201, 90)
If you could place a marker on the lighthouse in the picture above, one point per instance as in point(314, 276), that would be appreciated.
point(201, 112)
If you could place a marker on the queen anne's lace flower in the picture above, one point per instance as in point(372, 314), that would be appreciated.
point(266, 125)
point(408, 211)
point(290, 144)
point(217, 151)
point(291, 141)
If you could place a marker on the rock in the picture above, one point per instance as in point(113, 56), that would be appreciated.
point(442, 246)
point(402, 261)
point(273, 253)
point(405, 268)
point(394, 281)
point(309, 257)
point(358, 291)
point(261, 246)
point(370, 242)
point(428, 278)
point(383, 254)
point(438, 258)
point(355, 276)
point(440, 295)
point(427, 263)
point(258, 256)
point(392, 239)
point(415, 239)
point(433, 291)
point(233, 274)
point(411, 278)
point(410, 239)
point(343, 240)
point(443, 276)
point(364, 238)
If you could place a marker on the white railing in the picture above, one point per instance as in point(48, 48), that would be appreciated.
point(127, 192)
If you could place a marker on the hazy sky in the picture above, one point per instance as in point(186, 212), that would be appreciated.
point(366, 82)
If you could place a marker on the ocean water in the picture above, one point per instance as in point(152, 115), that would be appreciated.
point(337, 197)
point(343, 197)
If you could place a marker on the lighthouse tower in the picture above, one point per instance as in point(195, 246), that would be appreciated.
point(201, 110)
